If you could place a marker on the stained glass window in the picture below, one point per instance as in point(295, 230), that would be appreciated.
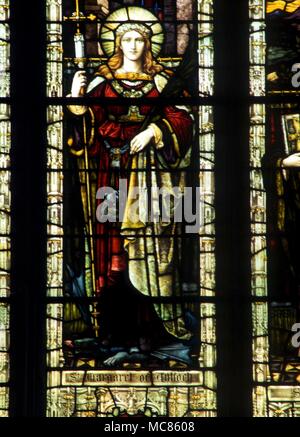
point(4, 206)
point(130, 319)
point(273, 137)
point(157, 262)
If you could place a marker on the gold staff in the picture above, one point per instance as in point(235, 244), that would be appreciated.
point(95, 313)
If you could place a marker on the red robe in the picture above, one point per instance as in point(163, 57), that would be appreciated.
point(110, 256)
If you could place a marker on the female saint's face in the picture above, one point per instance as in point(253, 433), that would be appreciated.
point(132, 45)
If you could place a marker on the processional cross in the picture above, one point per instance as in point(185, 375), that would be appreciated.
point(80, 59)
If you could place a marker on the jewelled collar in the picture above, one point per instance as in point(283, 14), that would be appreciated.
point(132, 92)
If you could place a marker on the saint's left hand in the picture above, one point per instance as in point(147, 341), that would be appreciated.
point(140, 141)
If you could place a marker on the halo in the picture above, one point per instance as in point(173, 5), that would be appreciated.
point(131, 14)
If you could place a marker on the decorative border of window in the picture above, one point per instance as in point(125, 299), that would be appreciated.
point(207, 196)
point(5, 205)
point(260, 345)
point(106, 393)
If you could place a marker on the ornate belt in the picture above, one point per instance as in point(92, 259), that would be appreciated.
point(133, 116)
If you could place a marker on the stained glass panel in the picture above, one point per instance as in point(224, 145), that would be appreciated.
point(5, 202)
point(91, 373)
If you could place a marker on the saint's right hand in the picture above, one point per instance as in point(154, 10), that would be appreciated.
point(79, 84)
point(292, 161)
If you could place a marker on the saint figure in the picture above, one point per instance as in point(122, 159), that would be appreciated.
point(133, 264)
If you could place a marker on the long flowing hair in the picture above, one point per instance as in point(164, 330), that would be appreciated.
point(149, 65)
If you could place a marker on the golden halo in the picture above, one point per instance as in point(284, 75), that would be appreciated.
point(131, 14)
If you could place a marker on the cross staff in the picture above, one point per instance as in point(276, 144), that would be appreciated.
point(80, 60)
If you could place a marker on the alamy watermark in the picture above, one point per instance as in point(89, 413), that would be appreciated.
point(296, 77)
point(295, 340)
point(151, 205)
